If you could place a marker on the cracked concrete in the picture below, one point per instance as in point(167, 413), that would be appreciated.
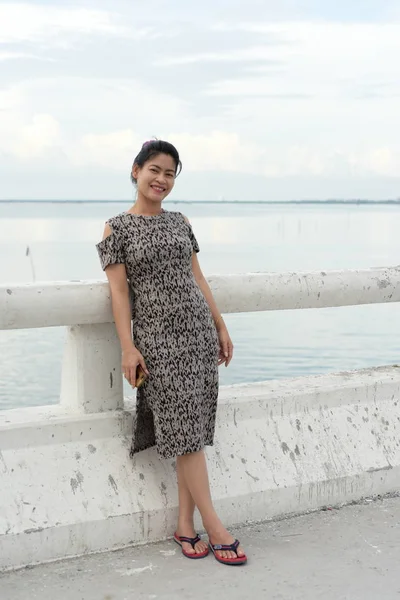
point(351, 553)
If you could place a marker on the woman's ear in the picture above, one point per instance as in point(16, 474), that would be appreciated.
point(135, 171)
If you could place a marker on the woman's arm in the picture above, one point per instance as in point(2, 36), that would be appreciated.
point(116, 275)
point(225, 342)
point(205, 288)
point(121, 307)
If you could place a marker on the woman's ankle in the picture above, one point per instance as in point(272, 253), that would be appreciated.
point(212, 524)
point(185, 523)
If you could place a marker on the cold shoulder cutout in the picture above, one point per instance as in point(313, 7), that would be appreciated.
point(110, 249)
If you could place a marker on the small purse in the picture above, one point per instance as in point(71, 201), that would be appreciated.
point(140, 376)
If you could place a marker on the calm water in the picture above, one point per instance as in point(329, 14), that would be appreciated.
point(233, 239)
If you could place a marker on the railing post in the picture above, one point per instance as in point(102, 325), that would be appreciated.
point(91, 379)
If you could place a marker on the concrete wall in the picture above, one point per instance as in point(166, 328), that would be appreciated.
point(68, 486)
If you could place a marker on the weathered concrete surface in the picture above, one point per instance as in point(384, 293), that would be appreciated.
point(348, 554)
point(68, 486)
point(55, 303)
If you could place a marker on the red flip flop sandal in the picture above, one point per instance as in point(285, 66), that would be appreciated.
point(192, 541)
point(239, 560)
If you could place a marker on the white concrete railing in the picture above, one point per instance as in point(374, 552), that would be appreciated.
point(88, 302)
point(68, 485)
point(91, 374)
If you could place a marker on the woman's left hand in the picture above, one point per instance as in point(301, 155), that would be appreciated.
point(225, 346)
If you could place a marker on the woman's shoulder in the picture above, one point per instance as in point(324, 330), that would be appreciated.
point(114, 228)
point(178, 215)
point(118, 218)
point(118, 223)
point(122, 221)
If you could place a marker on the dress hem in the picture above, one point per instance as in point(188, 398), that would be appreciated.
point(168, 455)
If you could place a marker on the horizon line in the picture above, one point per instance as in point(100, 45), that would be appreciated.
point(326, 201)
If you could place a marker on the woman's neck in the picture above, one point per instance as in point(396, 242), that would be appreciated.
point(141, 207)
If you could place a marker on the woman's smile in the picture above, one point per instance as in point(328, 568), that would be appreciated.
point(158, 189)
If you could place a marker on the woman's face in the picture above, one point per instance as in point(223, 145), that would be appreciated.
point(156, 178)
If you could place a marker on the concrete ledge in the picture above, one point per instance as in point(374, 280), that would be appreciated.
point(282, 447)
point(50, 304)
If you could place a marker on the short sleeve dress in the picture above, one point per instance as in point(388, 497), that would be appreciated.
point(172, 327)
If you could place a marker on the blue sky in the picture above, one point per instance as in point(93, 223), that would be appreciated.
point(264, 100)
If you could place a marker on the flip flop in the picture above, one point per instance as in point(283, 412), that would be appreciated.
point(192, 541)
point(239, 560)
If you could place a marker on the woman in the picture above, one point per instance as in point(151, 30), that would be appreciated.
point(179, 340)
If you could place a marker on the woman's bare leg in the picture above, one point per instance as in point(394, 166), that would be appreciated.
point(193, 468)
point(186, 512)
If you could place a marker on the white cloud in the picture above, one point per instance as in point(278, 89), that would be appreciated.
point(22, 55)
point(21, 22)
point(379, 161)
point(40, 135)
point(35, 139)
point(324, 59)
point(317, 99)
point(228, 152)
point(247, 54)
point(111, 151)
point(218, 150)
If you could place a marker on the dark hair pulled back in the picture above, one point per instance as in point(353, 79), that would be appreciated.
point(151, 149)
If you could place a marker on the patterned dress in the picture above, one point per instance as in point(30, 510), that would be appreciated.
point(172, 327)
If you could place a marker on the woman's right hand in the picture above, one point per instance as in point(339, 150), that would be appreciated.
point(130, 360)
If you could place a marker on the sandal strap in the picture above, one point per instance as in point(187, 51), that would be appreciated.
point(188, 540)
point(232, 547)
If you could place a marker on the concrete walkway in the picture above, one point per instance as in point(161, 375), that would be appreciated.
point(348, 554)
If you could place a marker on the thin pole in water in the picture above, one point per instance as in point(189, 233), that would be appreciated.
point(29, 253)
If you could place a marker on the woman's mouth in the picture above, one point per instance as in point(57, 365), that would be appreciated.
point(158, 189)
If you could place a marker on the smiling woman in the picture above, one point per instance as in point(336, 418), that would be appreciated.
point(173, 340)
point(154, 171)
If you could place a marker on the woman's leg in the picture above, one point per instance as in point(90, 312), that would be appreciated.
point(186, 512)
point(194, 470)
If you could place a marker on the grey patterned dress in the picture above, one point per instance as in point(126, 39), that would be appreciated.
point(172, 327)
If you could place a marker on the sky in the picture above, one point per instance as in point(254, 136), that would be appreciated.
point(264, 100)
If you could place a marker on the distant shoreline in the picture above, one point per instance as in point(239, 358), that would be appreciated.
point(222, 202)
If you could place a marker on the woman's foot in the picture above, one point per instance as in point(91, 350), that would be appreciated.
point(187, 530)
point(219, 535)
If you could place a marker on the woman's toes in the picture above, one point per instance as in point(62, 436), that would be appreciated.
point(230, 554)
point(188, 548)
point(200, 547)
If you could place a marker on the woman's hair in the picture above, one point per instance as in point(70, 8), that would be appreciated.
point(151, 148)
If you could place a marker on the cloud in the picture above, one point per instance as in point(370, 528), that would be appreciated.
point(227, 152)
point(23, 22)
point(23, 55)
point(111, 151)
point(321, 58)
point(254, 101)
point(218, 150)
point(246, 54)
point(379, 161)
point(35, 139)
